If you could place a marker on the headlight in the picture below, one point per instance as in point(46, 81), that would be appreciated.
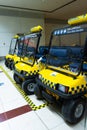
point(63, 88)
point(40, 76)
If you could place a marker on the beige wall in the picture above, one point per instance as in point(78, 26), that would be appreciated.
point(49, 27)
point(65, 40)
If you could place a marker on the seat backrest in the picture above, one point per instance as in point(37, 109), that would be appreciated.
point(59, 52)
point(76, 52)
point(43, 49)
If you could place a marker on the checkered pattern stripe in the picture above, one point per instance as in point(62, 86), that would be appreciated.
point(30, 72)
point(33, 106)
point(78, 89)
point(72, 90)
point(29, 101)
point(49, 83)
point(33, 72)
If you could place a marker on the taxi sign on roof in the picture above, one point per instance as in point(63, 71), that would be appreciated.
point(78, 20)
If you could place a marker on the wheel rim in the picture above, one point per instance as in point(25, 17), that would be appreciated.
point(79, 110)
point(30, 87)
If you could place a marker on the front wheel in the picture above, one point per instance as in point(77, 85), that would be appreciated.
point(17, 79)
point(73, 110)
point(28, 86)
point(38, 92)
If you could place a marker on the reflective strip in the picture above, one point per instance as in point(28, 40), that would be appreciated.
point(48, 83)
point(33, 72)
point(78, 89)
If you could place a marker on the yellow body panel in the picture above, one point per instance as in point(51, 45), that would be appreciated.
point(30, 69)
point(25, 59)
point(25, 67)
point(16, 59)
point(11, 56)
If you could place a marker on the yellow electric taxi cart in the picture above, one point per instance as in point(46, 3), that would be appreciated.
point(66, 83)
point(27, 69)
point(14, 51)
point(22, 47)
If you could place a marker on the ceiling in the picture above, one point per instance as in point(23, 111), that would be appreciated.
point(52, 9)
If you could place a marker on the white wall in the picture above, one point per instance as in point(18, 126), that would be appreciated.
point(9, 26)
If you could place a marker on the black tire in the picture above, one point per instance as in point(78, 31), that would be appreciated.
point(17, 79)
point(6, 63)
point(38, 92)
point(28, 86)
point(11, 66)
point(73, 110)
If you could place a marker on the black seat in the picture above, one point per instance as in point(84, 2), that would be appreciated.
point(58, 56)
point(82, 59)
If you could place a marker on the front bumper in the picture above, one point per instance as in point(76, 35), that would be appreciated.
point(59, 93)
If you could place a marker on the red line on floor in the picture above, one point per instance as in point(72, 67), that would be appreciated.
point(3, 117)
point(15, 112)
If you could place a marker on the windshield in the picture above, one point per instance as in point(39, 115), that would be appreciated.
point(66, 48)
point(19, 46)
point(13, 46)
point(30, 48)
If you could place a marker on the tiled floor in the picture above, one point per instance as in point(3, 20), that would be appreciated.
point(16, 114)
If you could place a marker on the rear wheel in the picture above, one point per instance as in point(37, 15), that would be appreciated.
point(28, 86)
point(17, 79)
point(6, 62)
point(73, 110)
